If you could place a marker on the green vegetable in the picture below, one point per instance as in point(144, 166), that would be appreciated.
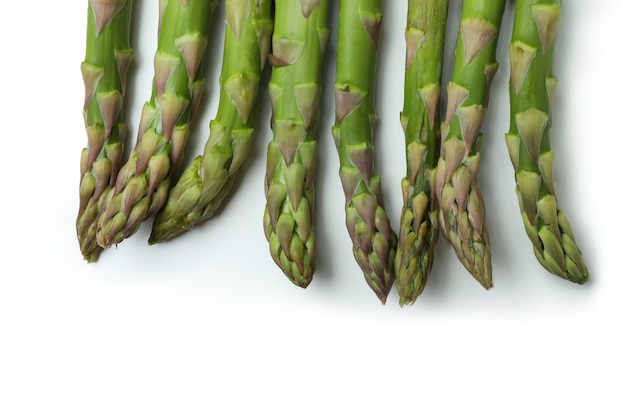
point(532, 87)
point(107, 59)
point(419, 225)
point(205, 184)
point(373, 239)
point(462, 211)
point(143, 182)
point(299, 41)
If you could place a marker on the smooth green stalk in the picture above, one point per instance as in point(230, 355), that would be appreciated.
point(532, 87)
point(298, 44)
point(373, 239)
point(205, 184)
point(107, 58)
point(143, 182)
point(419, 225)
point(462, 211)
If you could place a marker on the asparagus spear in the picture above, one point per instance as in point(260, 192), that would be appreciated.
point(205, 184)
point(532, 88)
point(462, 211)
point(419, 226)
point(298, 44)
point(107, 58)
point(143, 183)
point(373, 239)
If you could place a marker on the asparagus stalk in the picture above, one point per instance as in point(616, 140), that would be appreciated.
point(298, 44)
point(419, 225)
point(373, 239)
point(107, 58)
point(532, 88)
point(205, 184)
point(462, 211)
point(143, 182)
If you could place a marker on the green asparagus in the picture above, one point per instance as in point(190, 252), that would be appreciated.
point(373, 239)
point(532, 87)
point(298, 45)
point(143, 182)
point(107, 59)
point(205, 184)
point(419, 225)
point(461, 206)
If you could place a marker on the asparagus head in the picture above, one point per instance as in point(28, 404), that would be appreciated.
point(373, 239)
point(461, 207)
point(298, 45)
point(108, 56)
point(419, 225)
point(531, 89)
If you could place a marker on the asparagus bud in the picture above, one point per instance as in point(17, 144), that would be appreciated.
point(419, 225)
point(298, 45)
point(108, 56)
point(531, 90)
point(373, 239)
point(461, 206)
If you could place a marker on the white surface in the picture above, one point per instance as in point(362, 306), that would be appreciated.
point(207, 325)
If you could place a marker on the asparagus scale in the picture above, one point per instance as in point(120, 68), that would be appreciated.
point(143, 182)
point(298, 45)
point(373, 239)
point(204, 185)
point(532, 88)
point(419, 224)
point(461, 206)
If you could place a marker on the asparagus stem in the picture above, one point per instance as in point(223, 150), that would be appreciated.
point(531, 89)
point(204, 185)
point(373, 239)
point(298, 45)
point(143, 183)
point(462, 211)
point(107, 58)
point(419, 225)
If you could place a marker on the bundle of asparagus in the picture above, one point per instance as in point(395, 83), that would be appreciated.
point(440, 190)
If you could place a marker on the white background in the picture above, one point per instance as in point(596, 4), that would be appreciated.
point(206, 324)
